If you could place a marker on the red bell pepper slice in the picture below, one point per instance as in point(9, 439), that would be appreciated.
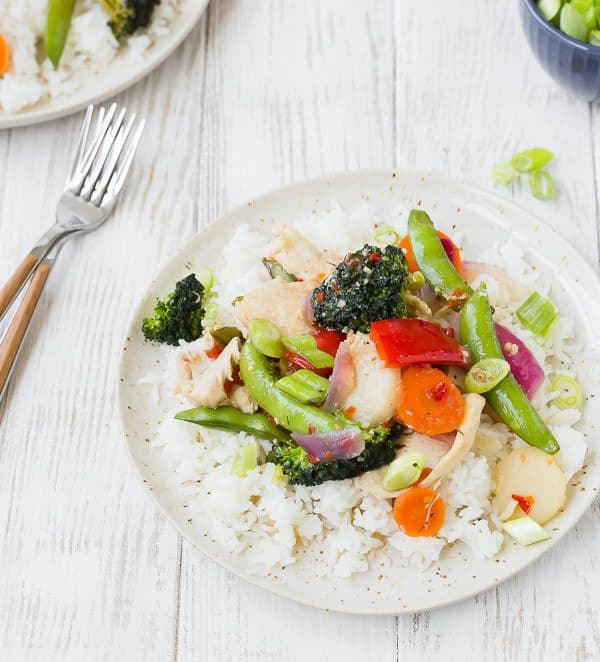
point(402, 342)
point(328, 341)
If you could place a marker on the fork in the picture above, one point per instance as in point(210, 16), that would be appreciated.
point(103, 158)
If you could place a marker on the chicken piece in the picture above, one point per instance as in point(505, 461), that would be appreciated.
point(441, 455)
point(241, 399)
point(376, 388)
point(464, 440)
point(433, 450)
point(297, 255)
point(203, 381)
point(279, 302)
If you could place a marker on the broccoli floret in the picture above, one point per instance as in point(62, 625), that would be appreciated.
point(380, 449)
point(369, 285)
point(179, 315)
point(126, 16)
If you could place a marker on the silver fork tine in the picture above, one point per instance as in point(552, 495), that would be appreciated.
point(108, 171)
point(83, 136)
point(122, 169)
point(77, 181)
point(105, 150)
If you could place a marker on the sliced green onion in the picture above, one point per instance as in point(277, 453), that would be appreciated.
point(304, 385)
point(225, 335)
point(537, 314)
point(404, 471)
point(595, 37)
point(525, 530)
point(385, 235)
point(278, 475)
point(503, 173)
point(531, 159)
point(486, 375)
point(244, 460)
point(416, 280)
point(571, 396)
point(266, 337)
point(207, 278)
point(591, 20)
point(541, 185)
point(211, 313)
point(277, 271)
point(549, 8)
point(572, 23)
point(306, 346)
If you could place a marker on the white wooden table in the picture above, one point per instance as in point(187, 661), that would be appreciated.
point(263, 93)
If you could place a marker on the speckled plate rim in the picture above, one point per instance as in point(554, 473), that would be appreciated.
point(478, 196)
point(116, 79)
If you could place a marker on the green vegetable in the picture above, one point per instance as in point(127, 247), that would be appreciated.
point(266, 338)
point(507, 398)
point(549, 8)
point(306, 346)
point(259, 376)
point(367, 286)
point(433, 262)
point(225, 335)
point(305, 386)
point(541, 185)
point(244, 460)
point(571, 396)
point(58, 23)
point(127, 16)
point(385, 235)
point(380, 448)
point(404, 471)
point(486, 374)
point(179, 315)
point(416, 280)
point(277, 271)
point(538, 315)
point(572, 23)
point(595, 37)
point(531, 159)
point(503, 173)
point(232, 419)
point(525, 530)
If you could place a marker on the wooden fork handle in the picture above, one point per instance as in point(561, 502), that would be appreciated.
point(15, 333)
point(13, 285)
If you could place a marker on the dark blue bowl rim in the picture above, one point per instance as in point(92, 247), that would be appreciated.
point(581, 45)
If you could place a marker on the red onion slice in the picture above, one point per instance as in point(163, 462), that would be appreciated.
point(343, 379)
point(523, 364)
point(337, 445)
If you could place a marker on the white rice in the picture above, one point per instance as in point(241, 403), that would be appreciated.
point(91, 48)
point(270, 522)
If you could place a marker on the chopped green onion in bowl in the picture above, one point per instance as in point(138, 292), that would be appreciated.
point(538, 315)
point(578, 19)
point(570, 394)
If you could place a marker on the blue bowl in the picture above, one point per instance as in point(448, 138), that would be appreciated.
point(573, 64)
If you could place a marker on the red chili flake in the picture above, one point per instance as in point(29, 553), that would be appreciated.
point(437, 392)
point(213, 352)
point(228, 387)
point(525, 502)
point(349, 412)
point(312, 459)
point(311, 429)
point(329, 456)
point(319, 296)
point(424, 473)
point(374, 257)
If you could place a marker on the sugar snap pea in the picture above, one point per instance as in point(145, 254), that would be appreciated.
point(58, 23)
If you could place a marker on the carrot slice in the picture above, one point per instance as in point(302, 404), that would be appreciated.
point(419, 512)
point(450, 247)
point(4, 55)
point(429, 401)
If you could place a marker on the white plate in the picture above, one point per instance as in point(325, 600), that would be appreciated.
point(480, 217)
point(116, 78)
